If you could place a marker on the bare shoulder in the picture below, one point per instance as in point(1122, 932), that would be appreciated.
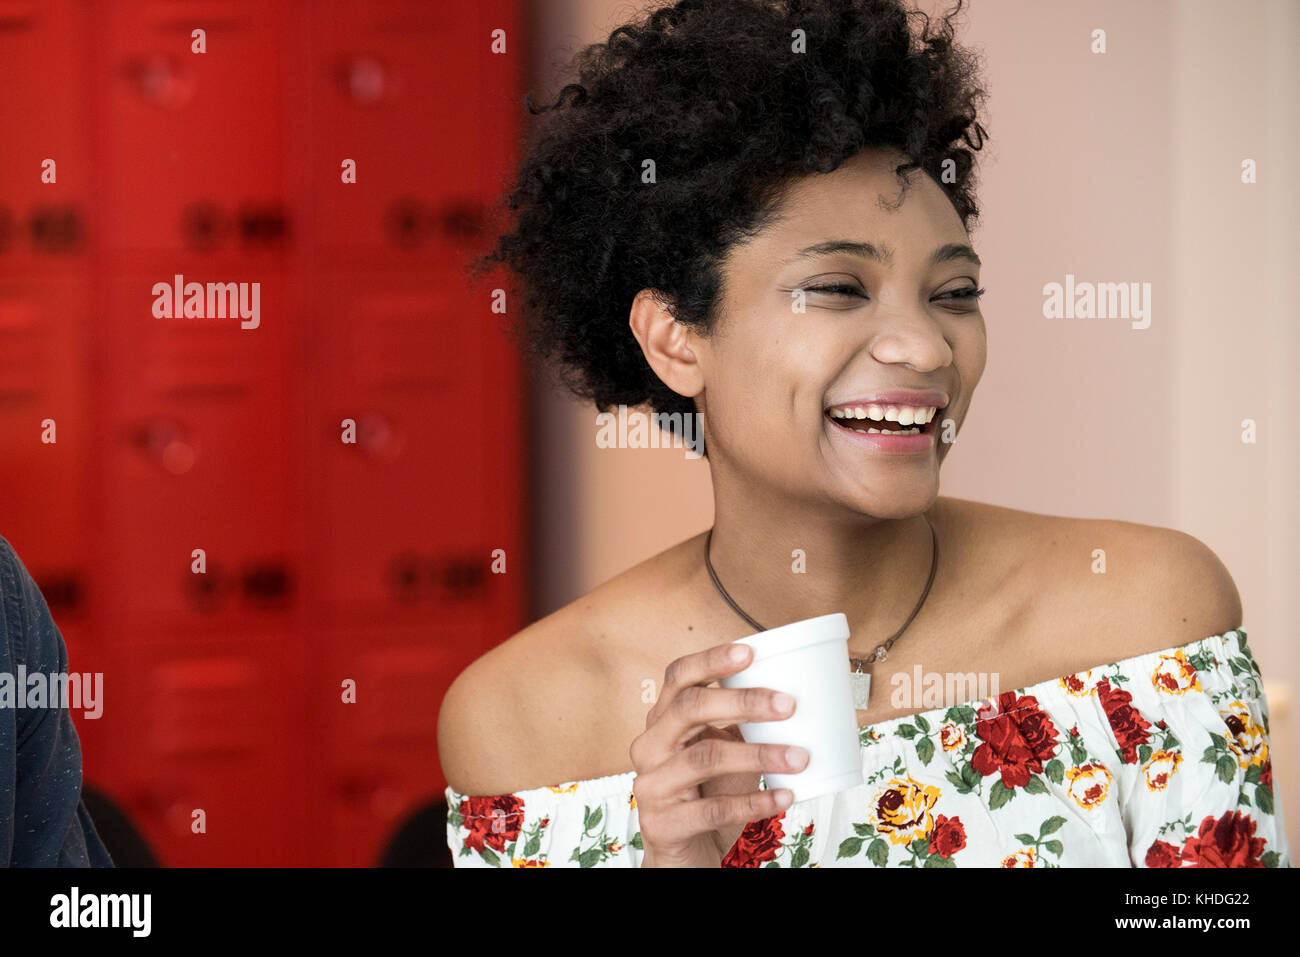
point(536, 709)
point(513, 708)
point(1105, 590)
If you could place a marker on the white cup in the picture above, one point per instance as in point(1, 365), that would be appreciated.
point(808, 660)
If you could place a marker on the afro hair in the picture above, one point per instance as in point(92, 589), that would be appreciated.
point(731, 99)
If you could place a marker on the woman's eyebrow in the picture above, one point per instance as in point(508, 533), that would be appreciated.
point(883, 254)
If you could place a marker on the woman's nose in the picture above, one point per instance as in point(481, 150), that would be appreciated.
point(911, 337)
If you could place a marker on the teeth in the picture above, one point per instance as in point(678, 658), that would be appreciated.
point(902, 414)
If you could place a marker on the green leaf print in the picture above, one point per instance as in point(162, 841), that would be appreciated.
point(878, 852)
point(490, 856)
point(1051, 825)
point(962, 714)
point(1144, 753)
point(534, 843)
point(1227, 769)
point(922, 723)
point(800, 857)
point(864, 830)
point(999, 795)
point(925, 750)
point(906, 731)
point(1055, 771)
point(849, 847)
point(1264, 798)
point(934, 860)
point(1036, 786)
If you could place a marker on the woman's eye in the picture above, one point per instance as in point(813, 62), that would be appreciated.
point(969, 293)
point(840, 290)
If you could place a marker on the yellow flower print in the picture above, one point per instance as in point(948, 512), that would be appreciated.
point(1175, 675)
point(903, 810)
point(1025, 857)
point(1089, 784)
point(1080, 685)
point(631, 801)
point(1160, 768)
point(523, 862)
point(561, 789)
point(952, 737)
point(1245, 737)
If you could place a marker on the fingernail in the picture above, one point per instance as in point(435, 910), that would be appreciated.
point(795, 754)
point(737, 654)
point(783, 702)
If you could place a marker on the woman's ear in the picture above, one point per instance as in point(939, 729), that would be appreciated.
point(668, 345)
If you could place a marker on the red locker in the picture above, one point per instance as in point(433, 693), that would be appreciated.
point(376, 560)
point(191, 156)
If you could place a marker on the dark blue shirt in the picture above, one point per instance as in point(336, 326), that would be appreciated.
point(43, 822)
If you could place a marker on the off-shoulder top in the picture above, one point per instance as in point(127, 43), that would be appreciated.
point(1158, 760)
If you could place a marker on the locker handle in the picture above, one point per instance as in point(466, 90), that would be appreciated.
point(165, 443)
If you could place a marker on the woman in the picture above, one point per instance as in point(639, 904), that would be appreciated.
point(758, 211)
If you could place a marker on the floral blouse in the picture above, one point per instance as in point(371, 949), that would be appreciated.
point(1159, 760)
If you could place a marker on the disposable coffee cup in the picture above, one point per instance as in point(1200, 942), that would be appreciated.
point(808, 660)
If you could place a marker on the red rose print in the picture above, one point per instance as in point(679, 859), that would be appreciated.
point(1162, 854)
point(1228, 842)
point(758, 844)
point(948, 836)
point(481, 815)
point(808, 829)
point(1129, 726)
point(1266, 775)
point(1016, 742)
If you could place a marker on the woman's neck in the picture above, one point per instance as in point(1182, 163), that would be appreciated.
point(784, 565)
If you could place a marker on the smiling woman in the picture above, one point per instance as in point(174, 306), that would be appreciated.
point(759, 211)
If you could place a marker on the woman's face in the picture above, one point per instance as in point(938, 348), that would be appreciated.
point(805, 329)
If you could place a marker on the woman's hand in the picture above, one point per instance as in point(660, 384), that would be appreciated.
point(696, 784)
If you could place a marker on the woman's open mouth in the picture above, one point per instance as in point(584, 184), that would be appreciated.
point(884, 419)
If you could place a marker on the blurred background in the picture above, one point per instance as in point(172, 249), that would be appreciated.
point(351, 467)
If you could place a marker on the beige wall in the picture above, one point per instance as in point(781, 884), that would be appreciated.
point(1122, 167)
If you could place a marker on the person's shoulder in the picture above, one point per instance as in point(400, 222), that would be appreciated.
point(1114, 589)
point(533, 710)
point(514, 707)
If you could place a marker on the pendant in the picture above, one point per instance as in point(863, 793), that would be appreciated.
point(860, 684)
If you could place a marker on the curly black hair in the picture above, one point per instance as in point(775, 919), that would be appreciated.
point(731, 99)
